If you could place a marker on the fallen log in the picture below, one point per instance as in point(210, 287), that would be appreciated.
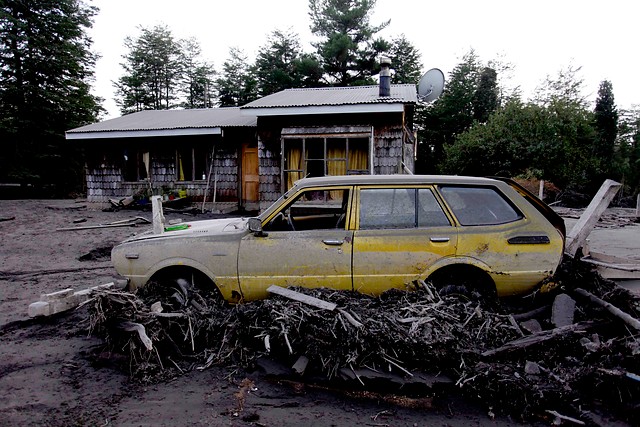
point(539, 337)
point(612, 309)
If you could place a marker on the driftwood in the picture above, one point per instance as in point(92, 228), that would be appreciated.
point(538, 338)
point(297, 296)
point(132, 222)
point(612, 309)
point(137, 327)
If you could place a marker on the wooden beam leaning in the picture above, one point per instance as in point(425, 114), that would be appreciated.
point(581, 230)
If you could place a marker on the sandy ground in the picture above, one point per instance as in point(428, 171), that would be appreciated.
point(52, 373)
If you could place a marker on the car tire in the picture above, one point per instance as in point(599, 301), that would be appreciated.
point(464, 280)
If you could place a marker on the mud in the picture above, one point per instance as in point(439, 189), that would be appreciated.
point(52, 373)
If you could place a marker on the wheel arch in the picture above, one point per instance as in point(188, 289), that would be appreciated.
point(458, 267)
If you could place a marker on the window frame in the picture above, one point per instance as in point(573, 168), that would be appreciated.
point(519, 214)
point(193, 175)
point(305, 136)
point(139, 155)
point(431, 188)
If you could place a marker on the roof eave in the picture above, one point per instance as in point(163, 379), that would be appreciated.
point(396, 107)
point(143, 133)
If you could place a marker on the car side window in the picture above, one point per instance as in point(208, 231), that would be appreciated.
point(479, 205)
point(399, 208)
point(312, 210)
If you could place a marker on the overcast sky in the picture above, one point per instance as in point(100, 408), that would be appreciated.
point(538, 37)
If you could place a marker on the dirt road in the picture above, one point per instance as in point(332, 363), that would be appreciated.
point(52, 373)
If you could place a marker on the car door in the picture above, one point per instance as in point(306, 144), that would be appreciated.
point(400, 232)
point(305, 243)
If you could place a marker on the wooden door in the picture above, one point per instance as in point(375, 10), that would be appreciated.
point(250, 174)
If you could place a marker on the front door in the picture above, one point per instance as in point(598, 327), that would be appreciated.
point(250, 174)
point(306, 243)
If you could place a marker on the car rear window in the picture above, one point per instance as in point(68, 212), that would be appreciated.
point(400, 208)
point(479, 205)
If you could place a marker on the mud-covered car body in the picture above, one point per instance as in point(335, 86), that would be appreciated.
point(362, 233)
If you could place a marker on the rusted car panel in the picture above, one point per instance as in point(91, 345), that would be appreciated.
point(363, 233)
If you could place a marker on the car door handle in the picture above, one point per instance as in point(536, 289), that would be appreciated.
point(333, 242)
point(439, 239)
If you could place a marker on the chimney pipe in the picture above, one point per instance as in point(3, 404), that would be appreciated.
point(385, 77)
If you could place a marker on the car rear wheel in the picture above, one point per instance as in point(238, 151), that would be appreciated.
point(465, 280)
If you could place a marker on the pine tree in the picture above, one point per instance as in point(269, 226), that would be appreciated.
point(348, 50)
point(153, 70)
point(46, 68)
point(606, 124)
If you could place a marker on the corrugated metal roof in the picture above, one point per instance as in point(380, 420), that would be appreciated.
point(173, 119)
point(353, 95)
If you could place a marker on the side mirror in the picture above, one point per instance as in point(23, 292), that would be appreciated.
point(255, 226)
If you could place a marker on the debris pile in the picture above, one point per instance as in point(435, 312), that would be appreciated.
point(552, 354)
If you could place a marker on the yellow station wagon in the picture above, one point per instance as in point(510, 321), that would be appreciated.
point(367, 233)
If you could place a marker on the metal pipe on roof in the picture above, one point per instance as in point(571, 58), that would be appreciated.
point(385, 77)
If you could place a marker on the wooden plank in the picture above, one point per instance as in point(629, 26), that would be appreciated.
point(581, 230)
point(613, 270)
point(612, 259)
point(297, 296)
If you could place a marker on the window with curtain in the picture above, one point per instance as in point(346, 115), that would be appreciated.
point(192, 163)
point(323, 155)
point(136, 165)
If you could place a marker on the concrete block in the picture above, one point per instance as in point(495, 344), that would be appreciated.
point(58, 306)
point(66, 299)
point(65, 293)
point(39, 308)
point(563, 310)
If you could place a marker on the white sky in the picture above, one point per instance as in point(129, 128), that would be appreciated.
point(538, 37)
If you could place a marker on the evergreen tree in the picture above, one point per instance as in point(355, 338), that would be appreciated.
point(198, 77)
point(485, 100)
point(405, 61)
point(45, 72)
point(448, 116)
point(236, 85)
point(281, 64)
point(153, 70)
point(348, 50)
point(606, 124)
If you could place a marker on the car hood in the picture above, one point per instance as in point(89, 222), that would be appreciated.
point(209, 227)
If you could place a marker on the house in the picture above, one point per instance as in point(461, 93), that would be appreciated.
point(252, 154)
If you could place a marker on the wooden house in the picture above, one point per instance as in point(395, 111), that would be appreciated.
point(246, 157)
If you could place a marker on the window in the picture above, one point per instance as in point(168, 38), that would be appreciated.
point(333, 155)
point(479, 205)
point(136, 165)
point(192, 163)
point(313, 210)
point(400, 208)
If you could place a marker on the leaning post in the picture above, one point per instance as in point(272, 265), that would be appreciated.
point(158, 216)
point(587, 222)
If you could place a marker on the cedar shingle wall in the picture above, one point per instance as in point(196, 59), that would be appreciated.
point(387, 150)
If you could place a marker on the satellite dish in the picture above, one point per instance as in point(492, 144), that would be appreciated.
point(431, 85)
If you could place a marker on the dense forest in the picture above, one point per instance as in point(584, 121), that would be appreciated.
point(478, 126)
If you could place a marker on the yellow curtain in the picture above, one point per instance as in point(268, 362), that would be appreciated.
point(294, 161)
point(180, 170)
point(358, 159)
point(336, 167)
